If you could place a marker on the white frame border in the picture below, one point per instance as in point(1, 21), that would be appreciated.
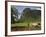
point(24, 32)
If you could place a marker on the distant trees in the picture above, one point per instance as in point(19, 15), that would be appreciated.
point(14, 14)
point(26, 15)
point(29, 15)
point(27, 12)
point(36, 14)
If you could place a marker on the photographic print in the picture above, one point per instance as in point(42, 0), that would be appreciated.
point(25, 18)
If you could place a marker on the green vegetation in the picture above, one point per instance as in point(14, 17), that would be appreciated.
point(26, 19)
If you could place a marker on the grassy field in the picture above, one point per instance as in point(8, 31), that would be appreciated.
point(20, 24)
point(24, 27)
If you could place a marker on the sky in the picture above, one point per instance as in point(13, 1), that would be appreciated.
point(21, 8)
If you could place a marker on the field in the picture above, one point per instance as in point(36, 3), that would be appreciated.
point(24, 27)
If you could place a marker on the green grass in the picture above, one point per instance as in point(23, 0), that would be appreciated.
point(20, 24)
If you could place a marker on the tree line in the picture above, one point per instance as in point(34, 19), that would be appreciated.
point(27, 15)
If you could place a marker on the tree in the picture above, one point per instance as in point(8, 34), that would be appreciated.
point(27, 12)
point(14, 14)
point(26, 15)
point(36, 14)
